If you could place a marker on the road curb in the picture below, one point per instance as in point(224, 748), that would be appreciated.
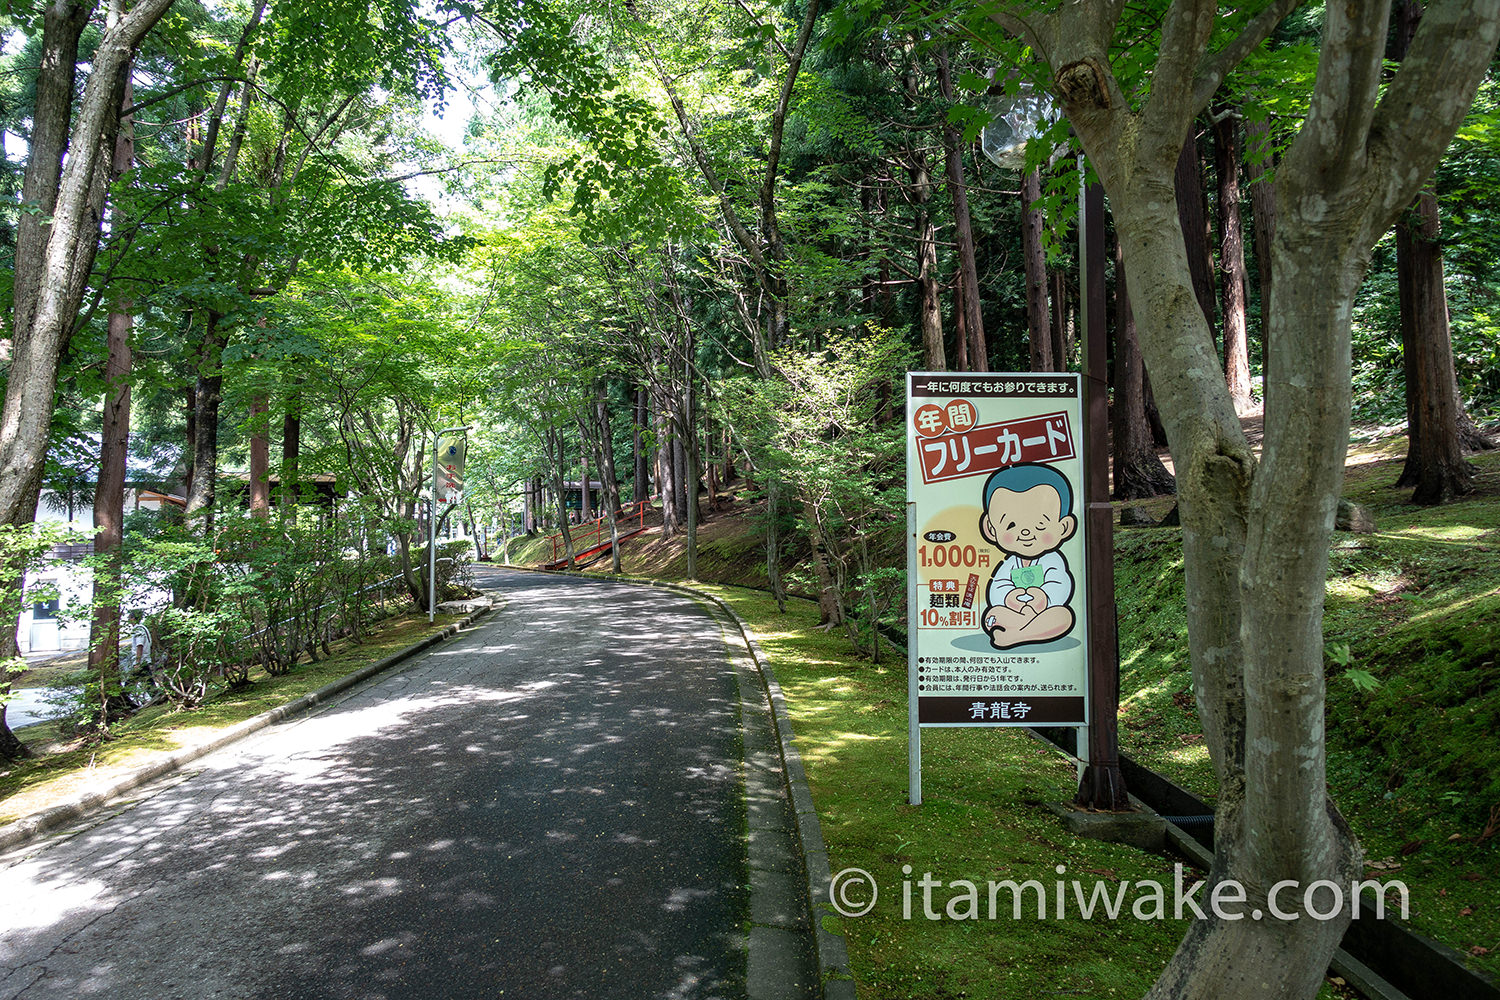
point(834, 974)
point(29, 828)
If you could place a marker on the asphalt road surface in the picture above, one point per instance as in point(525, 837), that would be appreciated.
point(550, 805)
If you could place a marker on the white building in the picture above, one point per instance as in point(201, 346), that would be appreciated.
point(57, 620)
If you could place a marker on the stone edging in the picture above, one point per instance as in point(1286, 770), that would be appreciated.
point(835, 977)
point(31, 827)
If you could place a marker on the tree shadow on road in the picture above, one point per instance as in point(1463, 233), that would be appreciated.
point(551, 806)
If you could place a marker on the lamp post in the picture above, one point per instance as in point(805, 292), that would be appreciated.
point(1101, 785)
point(432, 521)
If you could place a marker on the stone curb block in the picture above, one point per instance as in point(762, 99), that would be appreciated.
point(31, 827)
point(832, 952)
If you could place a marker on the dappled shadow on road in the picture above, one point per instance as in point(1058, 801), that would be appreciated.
point(549, 807)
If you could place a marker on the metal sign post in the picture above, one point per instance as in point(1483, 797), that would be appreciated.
point(446, 483)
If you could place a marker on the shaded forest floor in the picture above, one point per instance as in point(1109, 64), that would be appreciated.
point(1412, 609)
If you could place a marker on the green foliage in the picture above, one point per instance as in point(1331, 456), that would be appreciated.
point(823, 427)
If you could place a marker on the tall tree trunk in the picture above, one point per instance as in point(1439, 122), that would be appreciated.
point(607, 471)
point(1435, 463)
point(557, 461)
point(934, 357)
point(642, 486)
point(291, 451)
point(585, 501)
point(608, 475)
point(260, 458)
point(208, 393)
point(114, 443)
point(968, 268)
point(666, 478)
point(1232, 259)
point(1437, 427)
point(1038, 316)
point(1192, 213)
point(1061, 310)
point(683, 493)
point(886, 295)
point(1138, 472)
point(1263, 212)
point(55, 251)
point(692, 465)
point(55, 89)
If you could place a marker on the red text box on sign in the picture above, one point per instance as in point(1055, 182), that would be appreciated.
point(991, 447)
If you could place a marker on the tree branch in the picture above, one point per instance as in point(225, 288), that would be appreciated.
point(1218, 66)
point(1335, 134)
point(169, 94)
point(1434, 89)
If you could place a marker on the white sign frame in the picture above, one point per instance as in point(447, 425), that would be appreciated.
point(981, 449)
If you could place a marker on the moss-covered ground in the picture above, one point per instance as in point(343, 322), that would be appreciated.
point(1414, 763)
point(983, 819)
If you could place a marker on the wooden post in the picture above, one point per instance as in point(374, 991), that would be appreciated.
point(1102, 786)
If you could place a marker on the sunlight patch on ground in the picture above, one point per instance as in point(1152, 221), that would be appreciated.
point(1449, 608)
point(34, 906)
point(1451, 533)
point(1163, 688)
point(1195, 754)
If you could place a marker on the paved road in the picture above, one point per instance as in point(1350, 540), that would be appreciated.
point(549, 806)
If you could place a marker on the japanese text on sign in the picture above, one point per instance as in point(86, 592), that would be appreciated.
point(988, 447)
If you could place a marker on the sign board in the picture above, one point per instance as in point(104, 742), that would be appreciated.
point(995, 565)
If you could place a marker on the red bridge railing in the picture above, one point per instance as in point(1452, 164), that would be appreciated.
point(593, 534)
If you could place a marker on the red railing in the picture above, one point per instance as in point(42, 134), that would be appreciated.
point(596, 533)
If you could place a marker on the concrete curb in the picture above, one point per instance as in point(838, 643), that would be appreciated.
point(31, 827)
point(832, 951)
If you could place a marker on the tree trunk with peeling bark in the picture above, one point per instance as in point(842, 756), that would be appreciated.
point(1256, 532)
point(1232, 278)
point(930, 309)
point(114, 443)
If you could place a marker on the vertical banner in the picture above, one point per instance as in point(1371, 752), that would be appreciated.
point(448, 472)
point(998, 601)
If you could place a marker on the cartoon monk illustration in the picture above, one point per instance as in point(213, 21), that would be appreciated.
point(1028, 515)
